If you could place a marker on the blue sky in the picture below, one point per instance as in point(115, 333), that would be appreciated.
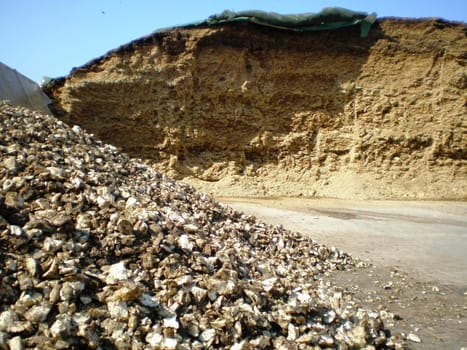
point(49, 37)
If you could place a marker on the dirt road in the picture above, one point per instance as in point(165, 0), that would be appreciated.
point(428, 237)
point(419, 252)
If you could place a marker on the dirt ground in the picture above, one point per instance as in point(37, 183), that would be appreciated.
point(417, 252)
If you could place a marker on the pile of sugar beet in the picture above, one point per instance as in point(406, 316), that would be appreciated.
point(100, 251)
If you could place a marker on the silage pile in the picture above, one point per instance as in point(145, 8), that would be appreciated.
point(99, 250)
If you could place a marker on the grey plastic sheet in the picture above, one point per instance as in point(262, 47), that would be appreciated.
point(21, 91)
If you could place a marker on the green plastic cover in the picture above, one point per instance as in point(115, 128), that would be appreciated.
point(328, 18)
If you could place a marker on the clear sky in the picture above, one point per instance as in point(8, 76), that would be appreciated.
point(49, 37)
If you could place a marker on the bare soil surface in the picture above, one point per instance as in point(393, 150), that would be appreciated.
point(416, 249)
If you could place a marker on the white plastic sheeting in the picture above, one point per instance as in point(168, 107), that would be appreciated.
point(22, 91)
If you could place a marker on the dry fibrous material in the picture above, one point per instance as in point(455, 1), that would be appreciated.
point(239, 110)
point(98, 250)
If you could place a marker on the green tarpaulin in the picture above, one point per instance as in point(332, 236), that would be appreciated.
point(328, 18)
